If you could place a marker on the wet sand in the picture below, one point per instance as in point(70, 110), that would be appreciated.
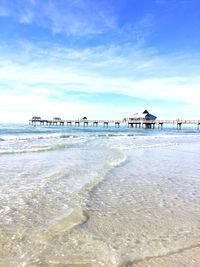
point(140, 208)
point(188, 257)
point(149, 218)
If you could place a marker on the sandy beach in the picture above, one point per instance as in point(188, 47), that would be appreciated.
point(115, 198)
point(189, 257)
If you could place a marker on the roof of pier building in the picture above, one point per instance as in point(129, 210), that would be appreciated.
point(143, 116)
point(36, 118)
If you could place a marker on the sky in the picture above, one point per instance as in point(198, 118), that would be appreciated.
point(103, 59)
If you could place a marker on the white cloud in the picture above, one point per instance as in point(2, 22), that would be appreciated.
point(22, 108)
point(135, 72)
point(37, 84)
point(62, 78)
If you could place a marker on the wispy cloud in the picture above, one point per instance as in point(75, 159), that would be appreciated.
point(72, 17)
point(142, 29)
point(79, 17)
point(137, 74)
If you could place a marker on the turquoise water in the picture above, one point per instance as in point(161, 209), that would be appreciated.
point(96, 196)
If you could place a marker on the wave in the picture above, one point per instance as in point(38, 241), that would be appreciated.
point(40, 148)
point(145, 135)
point(28, 150)
point(63, 224)
point(138, 146)
point(36, 137)
point(67, 136)
point(123, 133)
point(109, 166)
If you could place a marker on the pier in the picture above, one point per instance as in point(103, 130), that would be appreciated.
point(130, 123)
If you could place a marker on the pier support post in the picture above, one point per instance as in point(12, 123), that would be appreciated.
point(179, 125)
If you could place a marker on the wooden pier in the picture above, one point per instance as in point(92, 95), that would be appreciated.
point(117, 123)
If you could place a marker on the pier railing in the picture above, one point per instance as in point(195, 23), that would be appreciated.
point(127, 122)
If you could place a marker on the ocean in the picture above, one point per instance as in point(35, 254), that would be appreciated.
point(95, 196)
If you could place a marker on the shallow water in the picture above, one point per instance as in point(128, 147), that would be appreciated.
point(97, 197)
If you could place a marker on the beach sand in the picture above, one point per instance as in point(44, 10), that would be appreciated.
point(112, 201)
point(186, 258)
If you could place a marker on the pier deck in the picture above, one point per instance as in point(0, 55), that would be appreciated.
point(126, 122)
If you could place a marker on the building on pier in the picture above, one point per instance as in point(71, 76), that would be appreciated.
point(143, 116)
point(36, 118)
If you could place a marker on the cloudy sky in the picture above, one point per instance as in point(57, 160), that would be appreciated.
point(99, 58)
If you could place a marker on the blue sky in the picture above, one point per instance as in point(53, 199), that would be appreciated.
point(99, 58)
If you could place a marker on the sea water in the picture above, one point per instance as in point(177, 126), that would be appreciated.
point(95, 196)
